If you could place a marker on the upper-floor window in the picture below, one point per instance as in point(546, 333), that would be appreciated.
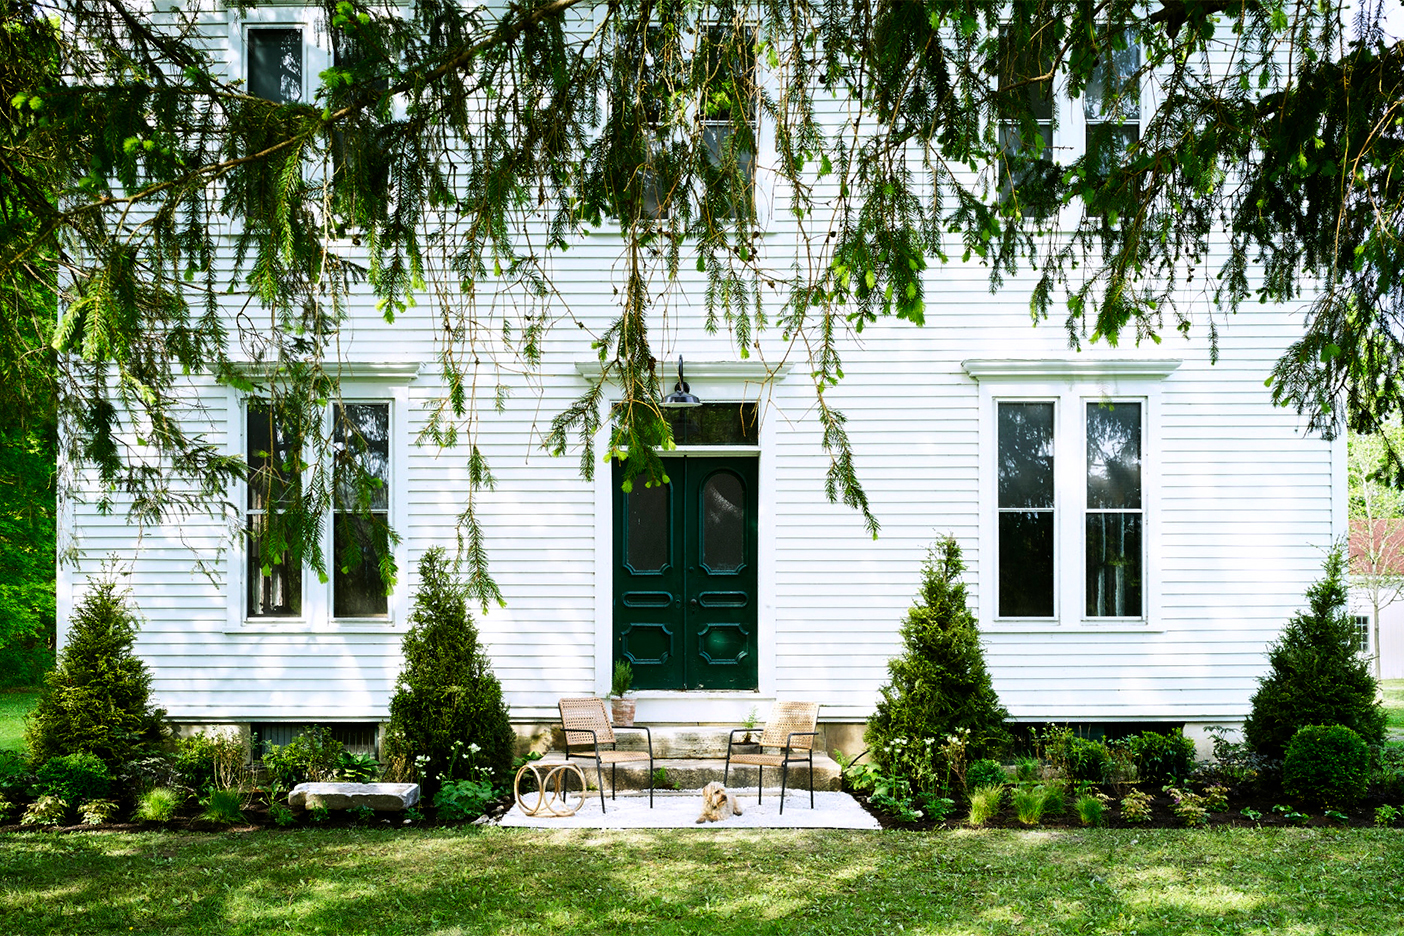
point(275, 63)
point(1111, 104)
point(728, 114)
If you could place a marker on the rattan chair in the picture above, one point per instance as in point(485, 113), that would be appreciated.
point(585, 722)
point(791, 727)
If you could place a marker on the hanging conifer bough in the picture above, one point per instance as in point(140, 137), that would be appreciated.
point(939, 685)
point(451, 150)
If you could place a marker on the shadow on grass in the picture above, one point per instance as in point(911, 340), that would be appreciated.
point(499, 881)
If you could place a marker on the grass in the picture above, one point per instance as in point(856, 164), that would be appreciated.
point(497, 881)
point(1393, 690)
point(14, 705)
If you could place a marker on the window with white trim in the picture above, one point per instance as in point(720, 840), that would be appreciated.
point(357, 530)
point(1362, 632)
point(1069, 505)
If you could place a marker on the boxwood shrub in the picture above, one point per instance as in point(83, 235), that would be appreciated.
point(1326, 764)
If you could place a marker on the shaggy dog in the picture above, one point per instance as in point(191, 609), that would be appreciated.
point(718, 803)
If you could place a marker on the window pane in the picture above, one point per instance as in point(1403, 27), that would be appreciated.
point(358, 590)
point(277, 592)
point(1026, 455)
point(714, 424)
point(1026, 564)
point(1113, 90)
point(1019, 62)
point(1107, 145)
point(275, 64)
point(1113, 456)
point(646, 533)
point(362, 446)
point(272, 455)
point(723, 523)
point(730, 167)
point(1113, 565)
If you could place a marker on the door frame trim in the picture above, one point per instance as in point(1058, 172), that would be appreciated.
point(739, 389)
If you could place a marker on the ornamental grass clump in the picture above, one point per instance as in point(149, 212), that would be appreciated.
point(446, 697)
point(97, 700)
point(1315, 675)
point(158, 805)
point(939, 688)
point(1028, 804)
point(985, 802)
point(1091, 809)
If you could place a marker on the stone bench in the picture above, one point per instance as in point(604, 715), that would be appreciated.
point(382, 797)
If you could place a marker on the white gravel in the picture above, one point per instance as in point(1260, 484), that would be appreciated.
point(678, 810)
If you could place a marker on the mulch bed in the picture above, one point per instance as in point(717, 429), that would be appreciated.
point(1362, 814)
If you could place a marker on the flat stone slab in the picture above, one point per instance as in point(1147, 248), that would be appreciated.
point(382, 797)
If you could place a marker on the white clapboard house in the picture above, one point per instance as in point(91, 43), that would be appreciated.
point(1138, 522)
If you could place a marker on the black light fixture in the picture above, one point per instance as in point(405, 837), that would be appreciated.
point(681, 397)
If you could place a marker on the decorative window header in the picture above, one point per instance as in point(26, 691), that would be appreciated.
point(1050, 369)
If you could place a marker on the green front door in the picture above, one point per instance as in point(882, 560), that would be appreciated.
point(685, 576)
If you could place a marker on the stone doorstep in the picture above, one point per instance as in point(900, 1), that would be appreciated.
point(382, 797)
point(693, 773)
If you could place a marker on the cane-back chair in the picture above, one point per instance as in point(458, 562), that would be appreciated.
point(586, 724)
point(791, 728)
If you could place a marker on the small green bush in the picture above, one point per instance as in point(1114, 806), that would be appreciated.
point(97, 700)
point(6, 807)
point(207, 761)
point(312, 757)
point(224, 807)
point(357, 768)
point(281, 815)
point(1085, 759)
point(158, 805)
point(46, 810)
point(1136, 807)
point(15, 776)
point(1315, 675)
point(984, 773)
point(984, 803)
point(75, 778)
point(1028, 804)
point(446, 696)
point(1162, 758)
point(98, 811)
point(1326, 764)
point(463, 799)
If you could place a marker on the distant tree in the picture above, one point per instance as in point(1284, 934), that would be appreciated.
point(1376, 526)
point(1315, 675)
point(97, 701)
point(940, 683)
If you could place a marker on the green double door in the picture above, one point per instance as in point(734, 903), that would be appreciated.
point(685, 576)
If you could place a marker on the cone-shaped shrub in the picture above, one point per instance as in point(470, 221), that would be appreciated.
point(96, 701)
point(1315, 675)
point(939, 684)
point(447, 698)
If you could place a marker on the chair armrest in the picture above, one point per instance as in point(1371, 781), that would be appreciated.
point(790, 740)
point(648, 735)
point(594, 735)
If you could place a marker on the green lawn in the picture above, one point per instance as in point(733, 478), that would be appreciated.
point(14, 705)
point(1393, 702)
point(496, 881)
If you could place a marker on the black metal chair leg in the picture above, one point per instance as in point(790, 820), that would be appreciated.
point(811, 779)
point(599, 775)
point(760, 785)
point(784, 776)
point(650, 780)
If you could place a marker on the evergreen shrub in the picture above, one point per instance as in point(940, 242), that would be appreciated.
point(1315, 676)
point(74, 778)
point(1162, 758)
point(447, 698)
point(1326, 764)
point(97, 700)
point(939, 686)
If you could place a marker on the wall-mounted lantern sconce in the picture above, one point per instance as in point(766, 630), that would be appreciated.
point(681, 397)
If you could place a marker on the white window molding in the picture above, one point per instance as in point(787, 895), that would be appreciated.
point(360, 383)
point(1070, 385)
point(316, 47)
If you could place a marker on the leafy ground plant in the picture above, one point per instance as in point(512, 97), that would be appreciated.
point(1386, 816)
point(463, 799)
point(46, 810)
point(98, 811)
point(1136, 807)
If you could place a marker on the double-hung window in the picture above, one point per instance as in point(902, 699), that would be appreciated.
point(353, 532)
point(728, 116)
point(279, 51)
point(1068, 482)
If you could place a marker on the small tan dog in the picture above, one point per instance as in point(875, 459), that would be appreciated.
point(718, 803)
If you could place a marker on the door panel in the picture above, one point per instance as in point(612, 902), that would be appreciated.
point(685, 576)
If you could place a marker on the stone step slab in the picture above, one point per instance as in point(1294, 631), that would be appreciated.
point(382, 797)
